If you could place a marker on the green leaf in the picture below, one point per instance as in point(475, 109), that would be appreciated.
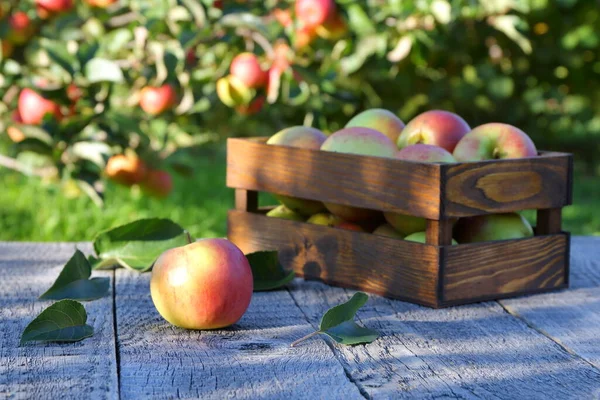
point(338, 323)
point(350, 333)
point(73, 282)
point(60, 55)
point(102, 70)
point(35, 132)
point(267, 272)
point(64, 321)
point(197, 11)
point(138, 244)
point(343, 312)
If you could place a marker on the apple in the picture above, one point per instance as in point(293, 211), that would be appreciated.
point(155, 100)
point(304, 36)
point(437, 127)
point(381, 120)
point(349, 226)
point(364, 141)
point(232, 91)
point(283, 212)
point(54, 6)
point(324, 219)
point(312, 13)
point(425, 153)
point(13, 132)
point(247, 69)
point(420, 237)
point(21, 28)
point(284, 17)
point(484, 228)
point(494, 141)
point(125, 169)
point(405, 224)
point(254, 107)
point(33, 107)
point(101, 3)
point(7, 48)
point(334, 28)
point(157, 183)
point(387, 230)
point(303, 137)
point(203, 285)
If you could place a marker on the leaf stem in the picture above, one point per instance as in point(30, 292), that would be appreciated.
point(189, 237)
point(304, 338)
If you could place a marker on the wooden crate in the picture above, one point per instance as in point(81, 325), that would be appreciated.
point(436, 274)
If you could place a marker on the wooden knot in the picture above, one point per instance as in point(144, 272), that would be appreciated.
point(506, 187)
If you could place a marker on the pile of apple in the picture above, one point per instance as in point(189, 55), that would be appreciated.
point(434, 136)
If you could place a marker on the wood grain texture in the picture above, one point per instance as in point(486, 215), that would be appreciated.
point(82, 370)
point(571, 317)
point(251, 360)
point(439, 232)
point(507, 185)
point(477, 351)
point(375, 264)
point(368, 182)
point(503, 268)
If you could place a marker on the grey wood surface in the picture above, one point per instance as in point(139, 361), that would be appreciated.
point(82, 370)
point(543, 346)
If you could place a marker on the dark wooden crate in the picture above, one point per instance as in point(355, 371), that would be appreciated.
point(435, 274)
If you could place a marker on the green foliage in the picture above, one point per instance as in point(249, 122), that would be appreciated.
point(267, 272)
point(74, 283)
point(64, 321)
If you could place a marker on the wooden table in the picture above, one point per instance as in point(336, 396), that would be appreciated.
point(545, 346)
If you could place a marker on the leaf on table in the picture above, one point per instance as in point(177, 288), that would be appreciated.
point(73, 282)
point(138, 244)
point(267, 272)
point(338, 323)
point(64, 321)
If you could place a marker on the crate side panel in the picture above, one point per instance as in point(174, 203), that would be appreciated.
point(506, 185)
point(367, 182)
point(486, 270)
point(375, 264)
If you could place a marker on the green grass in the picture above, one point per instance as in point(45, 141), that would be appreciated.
point(32, 211)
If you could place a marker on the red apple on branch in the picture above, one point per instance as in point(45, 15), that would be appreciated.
point(21, 28)
point(494, 141)
point(437, 127)
point(203, 285)
point(247, 69)
point(33, 107)
point(54, 6)
point(312, 13)
point(126, 169)
point(156, 100)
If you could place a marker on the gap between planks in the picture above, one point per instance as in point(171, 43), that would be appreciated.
point(362, 392)
point(542, 332)
point(117, 352)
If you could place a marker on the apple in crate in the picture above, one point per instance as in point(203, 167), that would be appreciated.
point(494, 141)
point(363, 141)
point(381, 120)
point(437, 127)
point(203, 285)
point(408, 224)
point(483, 228)
point(388, 231)
point(303, 137)
point(420, 237)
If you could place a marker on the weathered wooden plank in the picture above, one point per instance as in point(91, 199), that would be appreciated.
point(376, 264)
point(252, 361)
point(570, 317)
point(83, 370)
point(495, 269)
point(368, 182)
point(509, 185)
point(474, 351)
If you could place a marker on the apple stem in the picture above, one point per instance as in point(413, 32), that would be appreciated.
point(189, 237)
point(303, 338)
